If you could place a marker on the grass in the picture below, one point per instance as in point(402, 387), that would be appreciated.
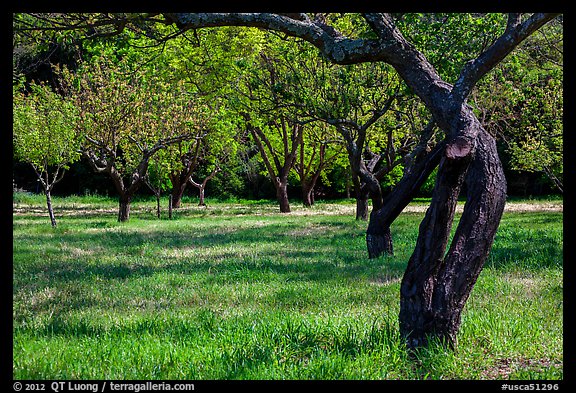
point(239, 291)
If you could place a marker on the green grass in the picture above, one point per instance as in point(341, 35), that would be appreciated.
point(239, 291)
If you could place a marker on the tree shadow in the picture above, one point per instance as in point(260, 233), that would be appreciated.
point(330, 253)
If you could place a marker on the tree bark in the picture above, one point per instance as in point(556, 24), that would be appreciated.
point(362, 205)
point(307, 194)
point(178, 187)
point(158, 205)
point(124, 208)
point(201, 193)
point(50, 209)
point(379, 243)
point(282, 195)
point(435, 286)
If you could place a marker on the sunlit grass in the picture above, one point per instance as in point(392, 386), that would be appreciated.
point(243, 292)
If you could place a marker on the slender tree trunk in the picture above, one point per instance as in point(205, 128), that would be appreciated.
point(201, 193)
point(158, 205)
point(436, 286)
point(362, 206)
point(202, 186)
point(170, 206)
point(50, 209)
point(282, 195)
point(348, 186)
point(361, 195)
point(124, 208)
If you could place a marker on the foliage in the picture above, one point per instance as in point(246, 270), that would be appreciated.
point(43, 130)
point(449, 40)
point(210, 62)
point(522, 103)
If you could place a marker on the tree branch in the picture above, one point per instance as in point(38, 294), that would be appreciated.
point(515, 33)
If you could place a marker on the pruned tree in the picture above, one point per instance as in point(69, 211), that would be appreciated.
point(125, 119)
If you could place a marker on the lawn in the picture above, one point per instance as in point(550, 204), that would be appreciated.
point(237, 290)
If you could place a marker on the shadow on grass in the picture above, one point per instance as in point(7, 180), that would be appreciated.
point(328, 251)
point(325, 250)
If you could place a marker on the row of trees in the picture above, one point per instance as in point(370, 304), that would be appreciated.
point(155, 123)
point(399, 92)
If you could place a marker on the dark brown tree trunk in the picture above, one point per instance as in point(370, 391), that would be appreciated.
point(282, 196)
point(380, 243)
point(158, 205)
point(362, 206)
point(177, 192)
point(380, 220)
point(124, 209)
point(435, 286)
point(307, 194)
point(50, 209)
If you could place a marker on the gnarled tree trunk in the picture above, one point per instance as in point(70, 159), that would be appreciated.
point(178, 187)
point(436, 286)
point(307, 194)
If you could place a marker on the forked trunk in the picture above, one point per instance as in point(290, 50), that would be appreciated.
point(201, 192)
point(177, 192)
point(435, 286)
point(307, 194)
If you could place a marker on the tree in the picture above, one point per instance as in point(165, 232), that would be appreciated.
point(157, 178)
point(274, 128)
point(319, 148)
point(44, 135)
point(208, 69)
point(125, 118)
point(437, 282)
point(354, 99)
